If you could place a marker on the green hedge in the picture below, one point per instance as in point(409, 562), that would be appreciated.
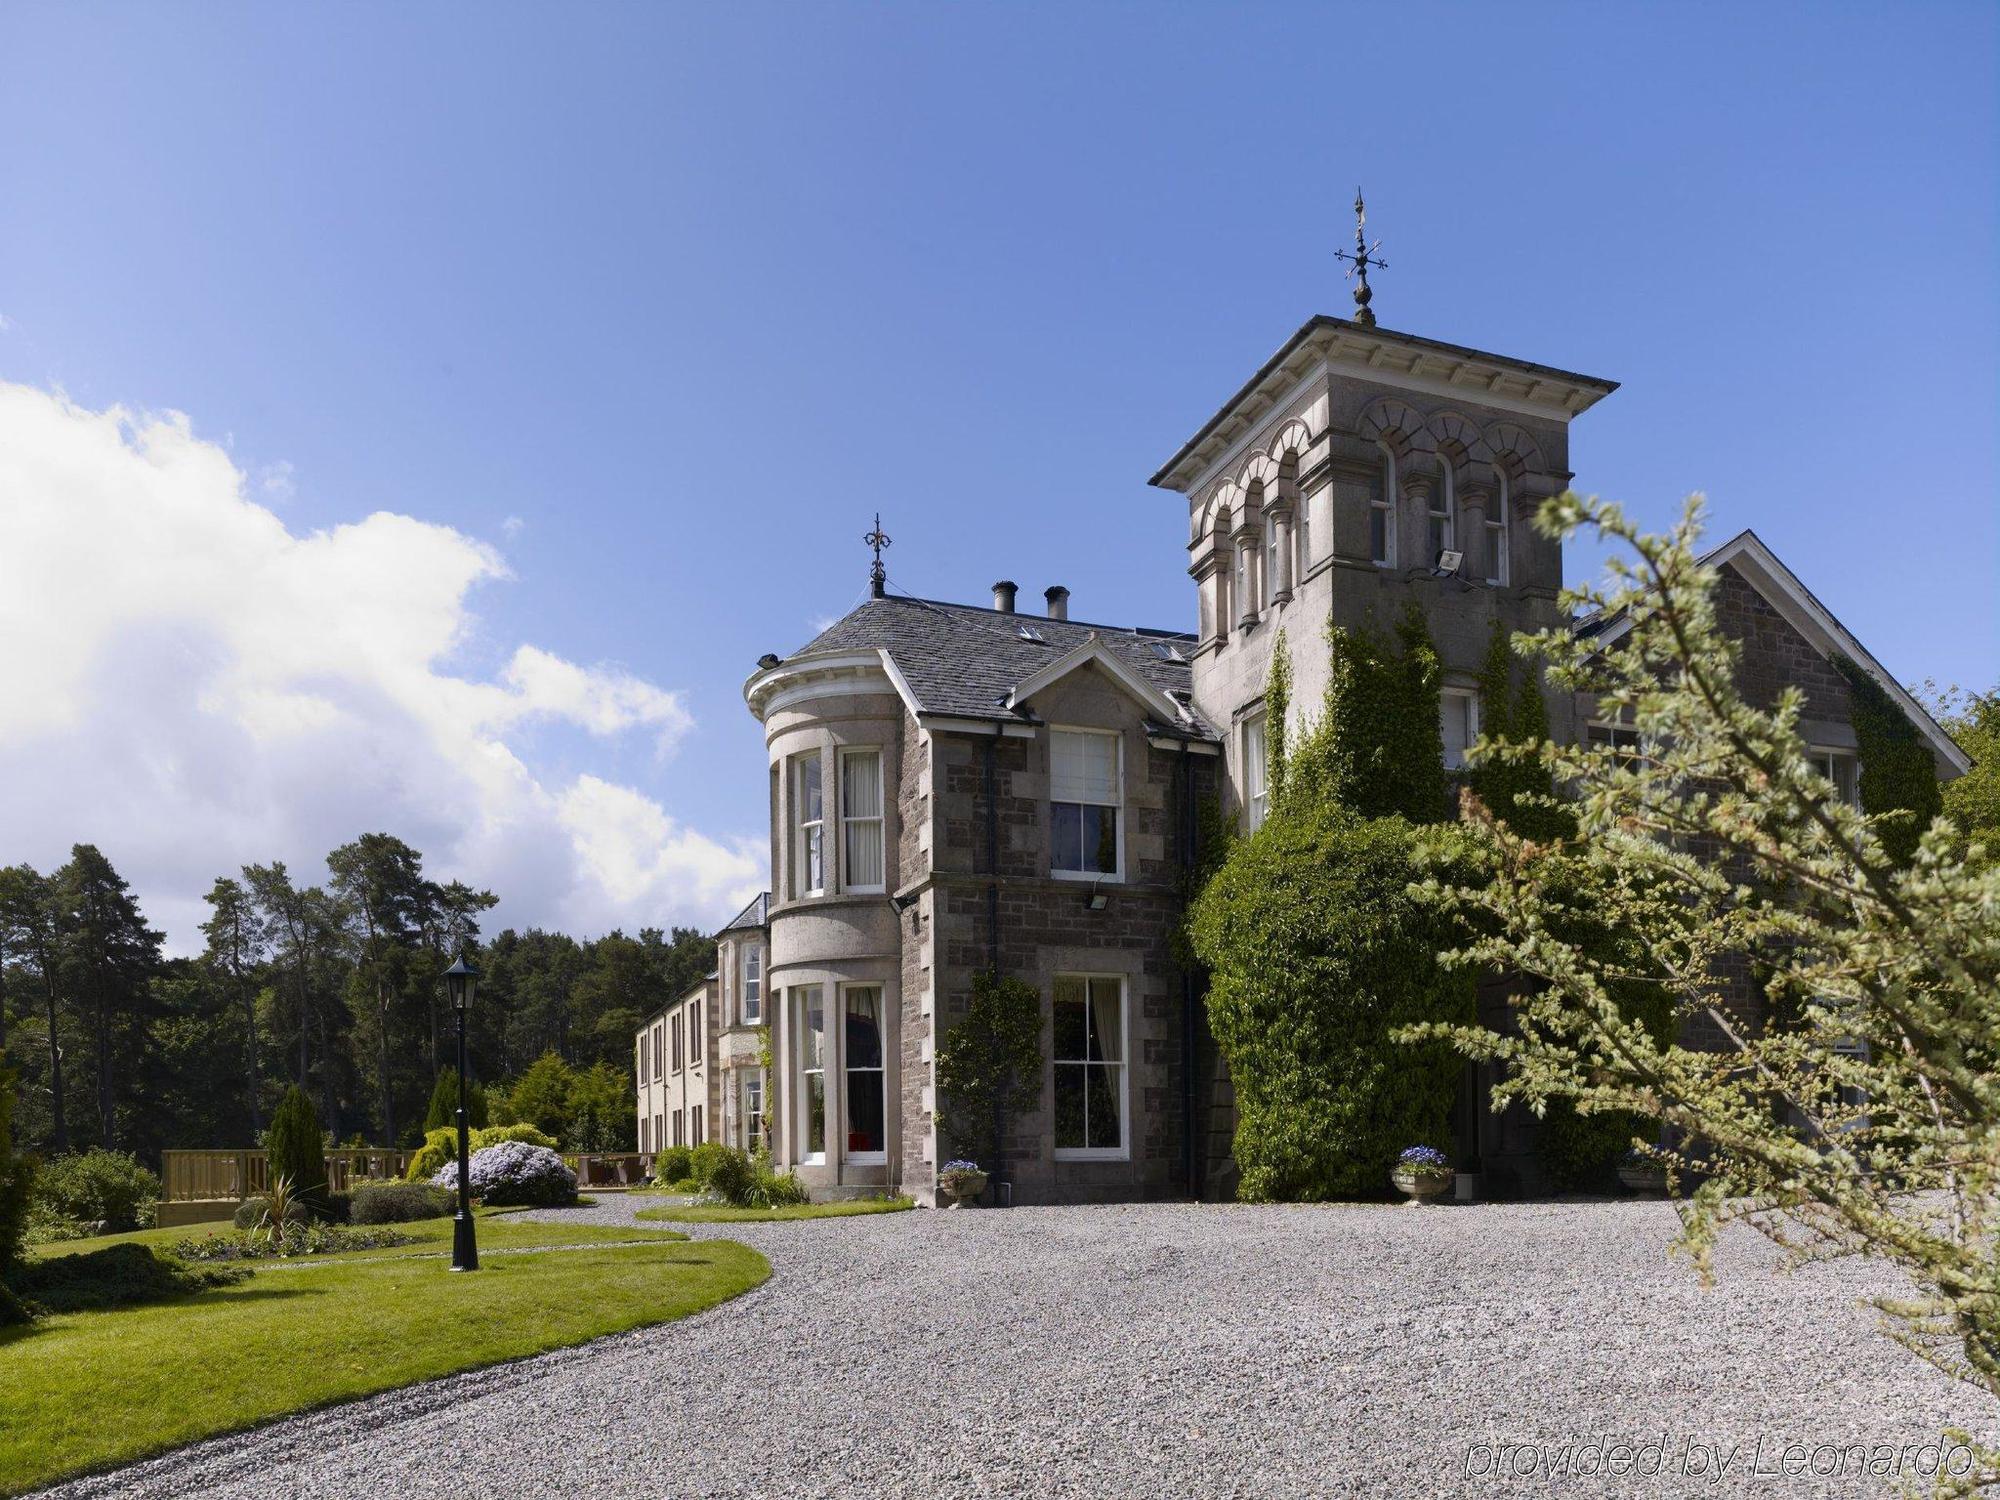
point(1317, 953)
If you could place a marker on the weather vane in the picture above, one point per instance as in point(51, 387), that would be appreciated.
point(878, 539)
point(1363, 257)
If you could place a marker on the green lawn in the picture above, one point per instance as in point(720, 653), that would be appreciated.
point(720, 1213)
point(87, 1391)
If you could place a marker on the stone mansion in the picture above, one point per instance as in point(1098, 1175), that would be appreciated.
point(956, 787)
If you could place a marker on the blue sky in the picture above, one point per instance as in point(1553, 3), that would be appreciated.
point(663, 303)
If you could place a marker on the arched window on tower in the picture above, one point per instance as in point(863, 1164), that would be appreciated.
point(1382, 512)
point(1444, 513)
point(1497, 536)
point(1270, 561)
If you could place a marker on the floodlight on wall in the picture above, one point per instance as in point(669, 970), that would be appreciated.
point(1448, 563)
point(1098, 900)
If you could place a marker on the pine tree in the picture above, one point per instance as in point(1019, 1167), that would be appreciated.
point(16, 1177)
point(443, 1109)
point(295, 1146)
point(110, 957)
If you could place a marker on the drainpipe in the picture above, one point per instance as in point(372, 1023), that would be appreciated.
point(991, 779)
point(1187, 853)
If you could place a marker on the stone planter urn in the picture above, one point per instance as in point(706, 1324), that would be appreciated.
point(1647, 1179)
point(1422, 1187)
point(963, 1188)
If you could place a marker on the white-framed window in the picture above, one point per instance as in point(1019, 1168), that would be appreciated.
point(1622, 739)
point(695, 1046)
point(679, 1056)
point(694, 1126)
point(809, 1032)
point(639, 1067)
point(680, 1128)
point(753, 1111)
point(643, 1147)
point(1444, 513)
point(1458, 721)
point(660, 1049)
point(1382, 512)
point(864, 1102)
point(1089, 1062)
point(1498, 538)
point(753, 985)
point(1256, 765)
point(1084, 804)
point(659, 1132)
point(1843, 769)
point(1246, 602)
point(809, 821)
point(1313, 522)
point(1270, 562)
point(861, 819)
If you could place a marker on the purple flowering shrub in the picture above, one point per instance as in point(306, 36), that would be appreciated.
point(514, 1172)
point(1424, 1161)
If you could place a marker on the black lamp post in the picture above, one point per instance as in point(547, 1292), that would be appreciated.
point(464, 1247)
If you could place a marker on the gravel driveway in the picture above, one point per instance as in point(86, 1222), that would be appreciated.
point(1143, 1350)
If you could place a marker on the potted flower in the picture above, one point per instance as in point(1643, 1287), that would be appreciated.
point(963, 1182)
point(1643, 1173)
point(1422, 1173)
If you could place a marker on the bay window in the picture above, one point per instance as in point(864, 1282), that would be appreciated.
point(862, 1085)
point(1089, 1060)
point(809, 1033)
point(809, 823)
point(861, 819)
point(1084, 803)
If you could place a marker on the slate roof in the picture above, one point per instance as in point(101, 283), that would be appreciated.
point(963, 660)
point(756, 914)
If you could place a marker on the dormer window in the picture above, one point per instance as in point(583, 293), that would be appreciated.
point(1084, 803)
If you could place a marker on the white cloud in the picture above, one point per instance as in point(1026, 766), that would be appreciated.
point(191, 685)
point(275, 481)
point(512, 527)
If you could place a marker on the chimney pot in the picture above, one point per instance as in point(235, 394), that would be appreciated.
point(1003, 596)
point(1058, 598)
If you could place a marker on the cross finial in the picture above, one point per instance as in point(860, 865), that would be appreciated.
point(878, 539)
point(1359, 261)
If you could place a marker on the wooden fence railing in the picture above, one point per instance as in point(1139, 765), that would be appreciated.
point(208, 1176)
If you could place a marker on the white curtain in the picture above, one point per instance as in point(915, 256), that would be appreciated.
point(1083, 768)
point(861, 802)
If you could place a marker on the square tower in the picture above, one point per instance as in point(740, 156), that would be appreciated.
point(1360, 469)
